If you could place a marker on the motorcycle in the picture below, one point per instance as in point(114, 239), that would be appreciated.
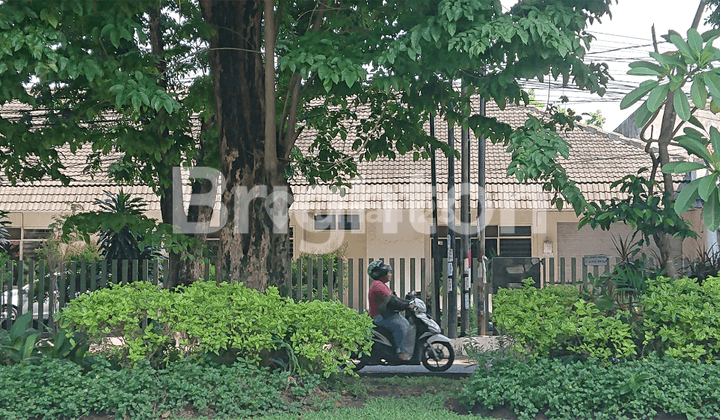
point(432, 348)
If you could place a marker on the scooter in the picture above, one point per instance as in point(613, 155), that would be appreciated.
point(432, 348)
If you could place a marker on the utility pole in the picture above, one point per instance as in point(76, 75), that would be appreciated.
point(435, 250)
point(466, 256)
point(481, 296)
point(451, 255)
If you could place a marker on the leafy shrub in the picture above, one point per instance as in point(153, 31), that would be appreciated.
point(682, 318)
point(220, 323)
point(23, 344)
point(590, 390)
point(555, 321)
point(57, 389)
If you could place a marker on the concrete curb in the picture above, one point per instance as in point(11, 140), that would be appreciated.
point(481, 343)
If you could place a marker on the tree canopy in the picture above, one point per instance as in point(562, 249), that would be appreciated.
point(278, 68)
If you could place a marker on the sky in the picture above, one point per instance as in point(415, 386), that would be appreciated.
point(624, 38)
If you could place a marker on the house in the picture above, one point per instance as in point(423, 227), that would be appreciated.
point(388, 210)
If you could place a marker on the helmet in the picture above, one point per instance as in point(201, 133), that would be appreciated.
point(378, 269)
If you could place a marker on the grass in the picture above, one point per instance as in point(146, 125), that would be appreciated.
point(429, 407)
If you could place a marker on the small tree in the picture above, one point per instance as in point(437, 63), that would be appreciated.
point(695, 63)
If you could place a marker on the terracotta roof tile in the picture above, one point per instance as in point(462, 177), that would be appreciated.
point(597, 158)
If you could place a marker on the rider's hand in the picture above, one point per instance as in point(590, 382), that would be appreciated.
point(411, 307)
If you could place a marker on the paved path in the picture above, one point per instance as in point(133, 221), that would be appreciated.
point(463, 365)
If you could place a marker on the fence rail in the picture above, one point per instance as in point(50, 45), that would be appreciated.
point(43, 289)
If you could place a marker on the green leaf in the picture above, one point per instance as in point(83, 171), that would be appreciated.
point(695, 41)
point(708, 184)
point(698, 92)
point(136, 101)
point(644, 68)
point(643, 115)
point(637, 93)
point(708, 35)
point(682, 106)
point(681, 167)
point(715, 141)
point(681, 45)
point(711, 211)
point(686, 197)
point(712, 81)
point(657, 97)
point(695, 147)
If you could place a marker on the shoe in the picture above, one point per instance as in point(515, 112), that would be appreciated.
point(404, 356)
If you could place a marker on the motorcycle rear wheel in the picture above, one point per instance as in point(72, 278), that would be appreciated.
point(438, 357)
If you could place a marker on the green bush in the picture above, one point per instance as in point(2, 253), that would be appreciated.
point(682, 319)
point(589, 390)
point(219, 322)
point(555, 321)
point(58, 389)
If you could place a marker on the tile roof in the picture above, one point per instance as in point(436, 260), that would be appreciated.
point(597, 158)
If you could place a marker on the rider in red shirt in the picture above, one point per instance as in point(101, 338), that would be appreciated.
point(385, 307)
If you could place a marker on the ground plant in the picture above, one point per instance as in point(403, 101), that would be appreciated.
point(218, 323)
point(555, 321)
point(58, 389)
point(556, 389)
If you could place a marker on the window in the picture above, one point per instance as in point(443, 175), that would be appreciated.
point(24, 242)
point(508, 241)
point(337, 222)
point(325, 222)
point(349, 222)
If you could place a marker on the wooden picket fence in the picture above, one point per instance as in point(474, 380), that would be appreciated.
point(576, 270)
point(309, 278)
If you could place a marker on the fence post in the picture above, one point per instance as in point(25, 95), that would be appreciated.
point(402, 278)
point(311, 279)
point(288, 276)
point(423, 279)
point(393, 285)
point(146, 270)
point(166, 271)
point(562, 270)
point(446, 296)
point(412, 275)
point(156, 272)
point(73, 280)
point(114, 273)
point(573, 269)
point(298, 274)
point(331, 280)
point(62, 288)
point(321, 279)
point(135, 269)
point(41, 293)
point(361, 281)
point(551, 269)
point(31, 287)
point(93, 276)
point(351, 285)
point(341, 281)
point(83, 277)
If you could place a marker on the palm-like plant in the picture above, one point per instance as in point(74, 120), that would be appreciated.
point(122, 243)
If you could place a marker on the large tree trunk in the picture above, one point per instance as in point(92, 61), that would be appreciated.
point(252, 249)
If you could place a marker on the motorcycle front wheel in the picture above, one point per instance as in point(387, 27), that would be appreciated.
point(438, 357)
